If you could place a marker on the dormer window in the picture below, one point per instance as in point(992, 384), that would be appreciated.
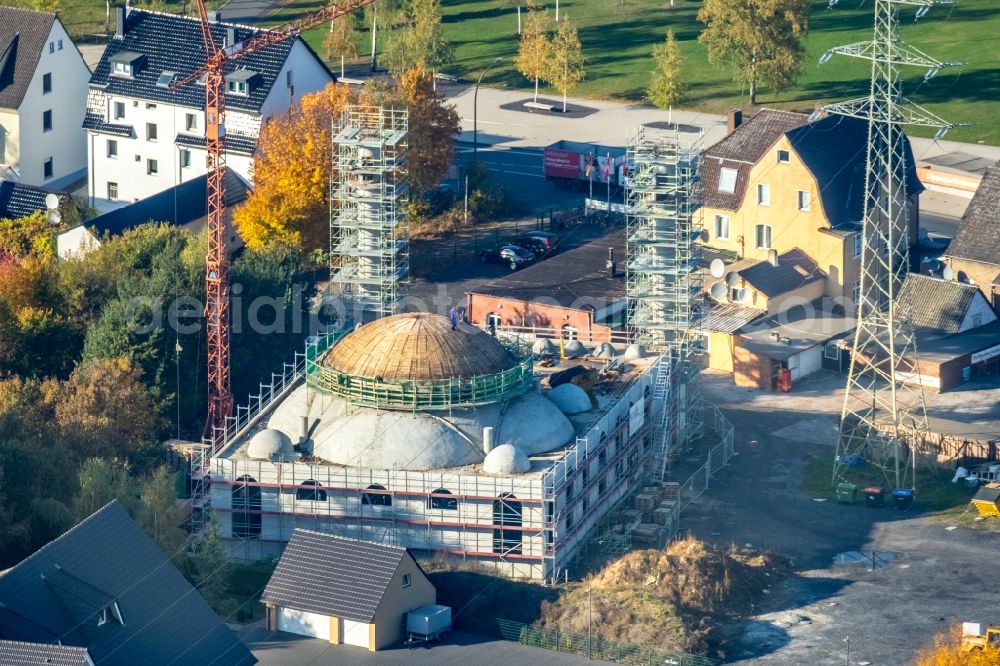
point(110, 613)
point(241, 82)
point(166, 79)
point(126, 64)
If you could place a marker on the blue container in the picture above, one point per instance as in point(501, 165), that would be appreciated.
point(902, 499)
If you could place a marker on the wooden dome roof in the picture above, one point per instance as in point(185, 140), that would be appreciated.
point(418, 346)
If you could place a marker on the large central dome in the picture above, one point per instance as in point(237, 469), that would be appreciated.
point(418, 346)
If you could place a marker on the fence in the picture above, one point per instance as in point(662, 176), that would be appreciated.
point(596, 647)
point(717, 458)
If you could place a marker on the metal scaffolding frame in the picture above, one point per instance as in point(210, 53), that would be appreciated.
point(663, 276)
point(369, 248)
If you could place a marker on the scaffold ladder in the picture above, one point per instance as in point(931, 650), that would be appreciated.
point(661, 429)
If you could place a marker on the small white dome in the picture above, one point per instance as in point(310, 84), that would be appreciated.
point(270, 444)
point(634, 352)
point(574, 348)
point(506, 459)
point(544, 347)
point(570, 399)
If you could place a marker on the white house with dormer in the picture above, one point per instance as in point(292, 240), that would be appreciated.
point(144, 136)
point(43, 91)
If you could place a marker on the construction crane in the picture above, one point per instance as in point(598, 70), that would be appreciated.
point(220, 397)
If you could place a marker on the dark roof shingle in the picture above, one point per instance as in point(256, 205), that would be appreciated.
point(795, 268)
point(331, 575)
point(17, 200)
point(936, 304)
point(19, 653)
point(22, 38)
point(978, 235)
point(107, 556)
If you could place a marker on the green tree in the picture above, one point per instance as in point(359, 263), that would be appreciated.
point(420, 42)
point(207, 564)
point(535, 46)
point(161, 514)
point(102, 481)
point(566, 62)
point(665, 88)
point(762, 39)
point(339, 40)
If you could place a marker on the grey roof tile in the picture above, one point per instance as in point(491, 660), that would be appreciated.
point(729, 317)
point(20, 653)
point(22, 37)
point(936, 304)
point(795, 268)
point(166, 621)
point(17, 200)
point(331, 575)
point(978, 235)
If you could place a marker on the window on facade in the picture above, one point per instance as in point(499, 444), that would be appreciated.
point(112, 191)
point(443, 503)
point(602, 457)
point(190, 122)
point(246, 508)
point(185, 157)
point(310, 491)
point(407, 580)
point(803, 200)
point(763, 236)
point(602, 486)
point(289, 81)
point(112, 149)
point(151, 131)
point(46, 121)
point(119, 110)
point(60, 45)
point(727, 180)
point(722, 227)
point(858, 242)
point(237, 87)
point(783, 157)
point(376, 498)
point(46, 84)
point(856, 295)
point(763, 194)
point(47, 168)
point(507, 514)
point(122, 69)
point(832, 352)
point(152, 167)
point(52, 47)
point(493, 320)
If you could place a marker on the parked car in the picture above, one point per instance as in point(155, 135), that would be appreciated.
point(550, 240)
point(513, 255)
point(537, 246)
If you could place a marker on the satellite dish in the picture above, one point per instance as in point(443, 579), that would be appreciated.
point(743, 296)
point(732, 277)
point(947, 273)
point(717, 268)
point(52, 201)
point(55, 217)
point(718, 291)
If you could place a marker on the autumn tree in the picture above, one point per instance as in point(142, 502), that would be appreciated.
point(27, 235)
point(947, 651)
point(762, 39)
point(290, 203)
point(665, 88)
point(420, 43)
point(102, 481)
point(339, 40)
point(160, 514)
point(535, 46)
point(565, 66)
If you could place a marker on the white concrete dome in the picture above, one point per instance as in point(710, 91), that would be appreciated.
point(574, 348)
point(634, 352)
point(570, 399)
point(544, 347)
point(605, 350)
point(534, 424)
point(505, 460)
point(271, 444)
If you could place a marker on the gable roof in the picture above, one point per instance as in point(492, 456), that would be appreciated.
point(331, 575)
point(833, 148)
point(56, 594)
point(23, 35)
point(936, 304)
point(978, 235)
point(728, 317)
point(176, 206)
point(19, 653)
point(795, 268)
point(172, 43)
point(17, 200)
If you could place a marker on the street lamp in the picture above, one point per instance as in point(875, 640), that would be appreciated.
point(475, 108)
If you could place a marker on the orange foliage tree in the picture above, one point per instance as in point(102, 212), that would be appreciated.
point(947, 651)
point(433, 127)
point(290, 204)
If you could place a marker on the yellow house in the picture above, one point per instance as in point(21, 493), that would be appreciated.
point(779, 182)
point(974, 255)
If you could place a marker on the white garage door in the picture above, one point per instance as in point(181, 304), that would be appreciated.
point(356, 633)
point(304, 624)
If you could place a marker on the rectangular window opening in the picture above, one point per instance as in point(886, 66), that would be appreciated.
point(727, 180)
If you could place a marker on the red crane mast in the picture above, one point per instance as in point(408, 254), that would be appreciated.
point(220, 397)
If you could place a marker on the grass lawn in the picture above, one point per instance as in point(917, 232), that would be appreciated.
point(617, 40)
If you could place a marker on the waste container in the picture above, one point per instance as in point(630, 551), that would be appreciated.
point(874, 496)
point(902, 498)
point(846, 492)
point(785, 380)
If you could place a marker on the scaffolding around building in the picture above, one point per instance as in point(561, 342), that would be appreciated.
point(369, 248)
point(663, 276)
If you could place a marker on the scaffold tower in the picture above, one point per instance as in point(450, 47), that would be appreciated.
point(884, 396)
point(663, 277)
point(369, 248)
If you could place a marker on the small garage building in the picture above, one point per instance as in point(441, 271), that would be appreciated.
point(345, 591)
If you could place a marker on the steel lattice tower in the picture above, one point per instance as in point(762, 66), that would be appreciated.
point(877, 402)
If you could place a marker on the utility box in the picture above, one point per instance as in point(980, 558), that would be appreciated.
point(428, 623)
point(846, 492)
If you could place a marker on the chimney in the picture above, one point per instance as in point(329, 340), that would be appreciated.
point(230, 37)
point(215, 17)
point(119, 22)
point(772, 257)
point(611, 265)
point(487, 439)
point(733, 120)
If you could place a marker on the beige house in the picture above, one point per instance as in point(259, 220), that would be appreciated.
point(974, 255)
point(345, 591)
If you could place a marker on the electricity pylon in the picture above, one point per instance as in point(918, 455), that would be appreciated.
point(879, 402)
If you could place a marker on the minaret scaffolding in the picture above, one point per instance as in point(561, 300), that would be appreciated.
point(663, 277)
point(369, 249)
point(879, 402)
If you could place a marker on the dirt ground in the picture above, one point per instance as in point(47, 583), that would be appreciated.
point(917, 574)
